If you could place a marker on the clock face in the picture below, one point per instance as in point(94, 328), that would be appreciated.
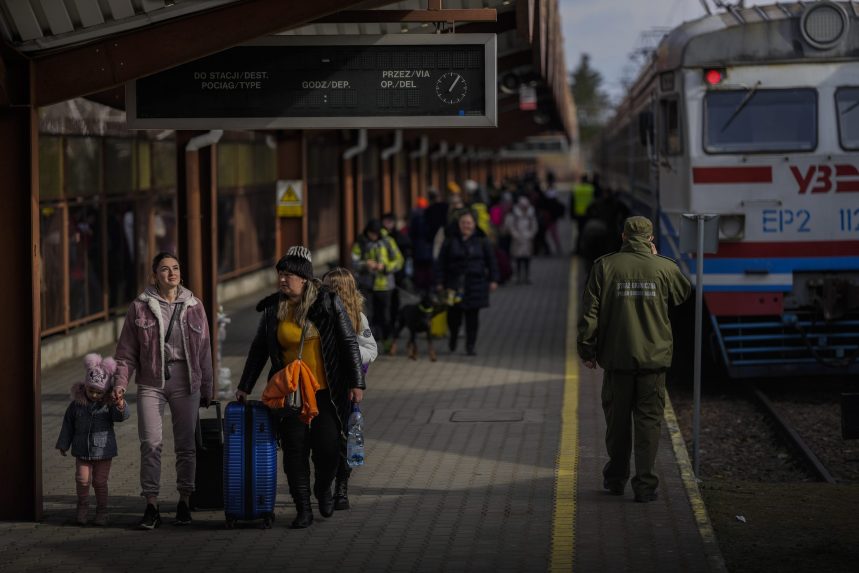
point(451, 87)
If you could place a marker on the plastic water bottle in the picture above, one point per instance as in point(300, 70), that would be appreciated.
point(355, 438)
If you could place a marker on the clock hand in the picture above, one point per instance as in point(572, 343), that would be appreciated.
point(456, 81)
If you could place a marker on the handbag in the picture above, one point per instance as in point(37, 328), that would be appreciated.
point(283, 391)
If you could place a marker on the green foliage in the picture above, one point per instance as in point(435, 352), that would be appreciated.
point(592, 102)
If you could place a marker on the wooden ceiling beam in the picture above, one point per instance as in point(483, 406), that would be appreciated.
point(116, 59)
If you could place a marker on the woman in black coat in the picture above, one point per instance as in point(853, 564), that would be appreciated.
point(466, 266)
point(331, 352)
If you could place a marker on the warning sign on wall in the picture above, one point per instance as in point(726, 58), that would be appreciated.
point(289, 198)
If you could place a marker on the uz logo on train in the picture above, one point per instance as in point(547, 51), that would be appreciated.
point(816, 179)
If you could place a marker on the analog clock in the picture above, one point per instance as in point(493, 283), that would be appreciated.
point(451, 87)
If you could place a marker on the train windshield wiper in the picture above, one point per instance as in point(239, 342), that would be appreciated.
point(740, 106)
point(853, 106)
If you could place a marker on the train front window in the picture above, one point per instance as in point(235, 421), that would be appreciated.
point(847, 106)
point(759, 120)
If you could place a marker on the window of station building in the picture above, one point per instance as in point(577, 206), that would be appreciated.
point(323, 190)
point(123, 278)
point(119, 166)
point(847, 108)
point(371, 184)
point(671, 141)
point(163, 164)
point(247, 200)
point(52, 267)
point(750, 120)
point(82, 166)
point(50, 167)
point(86, 273)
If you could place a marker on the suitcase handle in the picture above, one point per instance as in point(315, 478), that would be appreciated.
point(198, 431)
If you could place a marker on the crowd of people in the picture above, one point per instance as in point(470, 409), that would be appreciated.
point(453, 250)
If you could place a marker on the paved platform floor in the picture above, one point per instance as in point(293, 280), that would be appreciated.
point(461, 474)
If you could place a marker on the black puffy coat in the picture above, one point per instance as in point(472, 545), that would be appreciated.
point(468, 266)
point(340, 354)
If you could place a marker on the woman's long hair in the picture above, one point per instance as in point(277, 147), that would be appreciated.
point(308, 297)
point(342, 282)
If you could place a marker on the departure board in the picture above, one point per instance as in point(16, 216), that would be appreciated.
point(417, 81)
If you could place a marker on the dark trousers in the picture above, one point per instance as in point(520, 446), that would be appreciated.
point(454, 319)
point(633, 403)
point(381, 320)
point(321, 440)
point(523, 268)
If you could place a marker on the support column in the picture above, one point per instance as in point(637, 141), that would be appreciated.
point(292, 166)
point(347, 212)
point(388, 185)
point(414, 174)
point(197, 206)
point(20, 351)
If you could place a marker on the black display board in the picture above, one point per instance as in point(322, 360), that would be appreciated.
point(425, 80)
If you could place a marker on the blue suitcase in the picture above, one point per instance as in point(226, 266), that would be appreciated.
point(250, 463)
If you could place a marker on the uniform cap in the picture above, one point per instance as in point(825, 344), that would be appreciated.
point(638, 226)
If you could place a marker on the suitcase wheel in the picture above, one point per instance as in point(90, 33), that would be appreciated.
point(267, 520)
point(231, 523)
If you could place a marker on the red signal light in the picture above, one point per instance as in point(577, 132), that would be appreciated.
point(714, 76)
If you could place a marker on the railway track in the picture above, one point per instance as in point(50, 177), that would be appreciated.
point(791, 437)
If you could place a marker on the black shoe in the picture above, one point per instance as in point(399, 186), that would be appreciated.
point(470, 352)
point(302, 520)
point(451, 344)
point(613, 488)
point(325, 500)
point(183, 514)
point(646, 497)
point(151, 518)
point(341, 497)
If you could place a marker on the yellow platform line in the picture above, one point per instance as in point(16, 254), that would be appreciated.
point(567, 460)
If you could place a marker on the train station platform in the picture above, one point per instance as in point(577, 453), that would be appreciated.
point(484, 463)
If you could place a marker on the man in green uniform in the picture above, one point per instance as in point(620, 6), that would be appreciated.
point(625, 329)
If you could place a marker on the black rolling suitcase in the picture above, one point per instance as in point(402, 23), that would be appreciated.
point(209, 481)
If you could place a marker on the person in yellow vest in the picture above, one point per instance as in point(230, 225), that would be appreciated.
point(375, 259)
point(583, 196)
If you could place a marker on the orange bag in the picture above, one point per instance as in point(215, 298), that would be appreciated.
point(294, 388)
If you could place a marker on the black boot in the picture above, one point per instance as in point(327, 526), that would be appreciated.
point(341, 492)
point(305, 512)
point(323, 496)
point(301, 497)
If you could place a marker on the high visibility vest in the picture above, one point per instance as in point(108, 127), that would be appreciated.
point(583, 196)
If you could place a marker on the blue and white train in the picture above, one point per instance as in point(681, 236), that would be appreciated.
point(753, 114)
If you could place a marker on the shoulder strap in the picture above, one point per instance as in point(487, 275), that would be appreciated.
point(172, 321)
point(301, 340)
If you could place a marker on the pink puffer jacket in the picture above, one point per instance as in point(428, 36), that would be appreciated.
point(141, 344)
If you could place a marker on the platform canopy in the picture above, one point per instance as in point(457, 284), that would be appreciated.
point(90, 48)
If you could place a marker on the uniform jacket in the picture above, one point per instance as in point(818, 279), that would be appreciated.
point(467, 266)
point(88, 426)
point(141, 344)
point(624, 323)
point(385, 251)
point(340, 355)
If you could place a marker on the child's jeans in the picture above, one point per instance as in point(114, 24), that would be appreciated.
point(96, 473)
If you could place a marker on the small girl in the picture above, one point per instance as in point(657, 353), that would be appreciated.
point(88, 430)
point(342, 282)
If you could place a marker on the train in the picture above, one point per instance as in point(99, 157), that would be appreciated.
point(753, 114)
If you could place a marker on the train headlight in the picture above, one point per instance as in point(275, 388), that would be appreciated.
point(714, 76)
point(732, 227)
point(824, 24)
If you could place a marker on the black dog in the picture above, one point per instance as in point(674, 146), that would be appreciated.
point(417, 317)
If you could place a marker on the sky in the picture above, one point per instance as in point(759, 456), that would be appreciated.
point(609, 30)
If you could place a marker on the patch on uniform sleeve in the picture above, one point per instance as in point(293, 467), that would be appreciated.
point(366, 333)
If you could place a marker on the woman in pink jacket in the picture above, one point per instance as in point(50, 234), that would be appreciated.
point(165, 339)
